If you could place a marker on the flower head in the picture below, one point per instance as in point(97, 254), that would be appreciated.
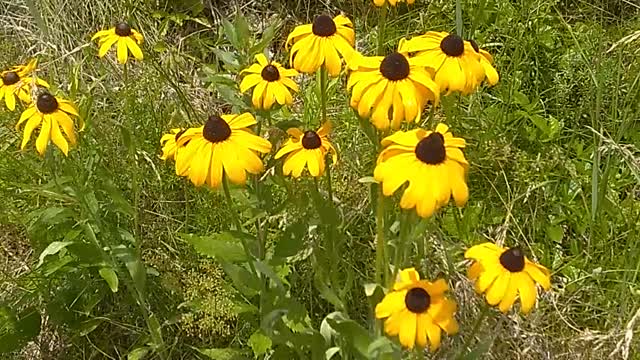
point(457, 65)
point(417, 311)
point(51, 114)
point(18, 82)
point(125, 38)
point(322, 43)
point(272, 83)
point(307, 149)
point(224, 145)
point(391, 89)
point(504, 273)
point(169, 143)
point(431, 162)
point(392, 2)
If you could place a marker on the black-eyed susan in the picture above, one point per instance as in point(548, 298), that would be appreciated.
point(392, 2)
point(307, 150)
point(224, 145)
point(322, 43)
point(417, 311)
point(431, 162)
point(17, 83)
point(391, 89)
point(504, 273)
point(51, 114)
point(272, 83)
point(456, 64)
point(126, 39)
point(169, 143)
point(486, 60)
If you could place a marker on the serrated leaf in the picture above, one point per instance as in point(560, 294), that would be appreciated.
point(224, 246)
point(230, 33)
point(259, 343)
point(52, 249)
point(110, 277)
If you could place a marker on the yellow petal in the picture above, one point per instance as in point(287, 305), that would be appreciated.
point(539, 274)
point(43, 138)
point(122, 50)
point(57, 138)
point(408, 330)
point(391, 303)
point(106, 45)
point(134, 48)
point(527, 290)
point(498, 288)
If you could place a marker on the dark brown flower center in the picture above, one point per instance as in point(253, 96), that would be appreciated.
point(270, 73)
point(179, 133)
point(417, 300)
point(452, 45)
point(10, 78)
point(311, 140)
point(123, 29)
point(395, 67)
point(47, 103)
point(474, 45)
point(430, 150)
point(323, 25)
point(216, 129)
point(512, 260)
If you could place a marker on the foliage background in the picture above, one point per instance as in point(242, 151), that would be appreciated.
point(554, 149)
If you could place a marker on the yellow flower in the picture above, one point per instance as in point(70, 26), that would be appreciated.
point(272, 83)
point(125, 38)
point(318, 44)
point(486, 60)
point(391, 89)
point(456, 64)
point(417, 311)
point(308, 150)
point(433, 164)
point(224, 144)
point(503, 273)
point(169, 143)
point(392, 2)
point(16, 83)
point(51, 114)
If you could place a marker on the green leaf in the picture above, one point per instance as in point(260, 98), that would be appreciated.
point(52, 249)
point(223, 246)
point(555, 233)
point(243, 280)
point(267, 270)
point(331, 352)
point(110, 277)
point(156, 331)
point(138, 353)
point(291, 241)
point(89, 326)
point(16, 331)
point(353, 333)
point(260, 343)
point(230, 33)
point(241, 28)
point(224, 354)
point(267, 36)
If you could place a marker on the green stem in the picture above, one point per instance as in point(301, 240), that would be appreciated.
point(397, 260)
point(236, 222)
point(381, 251)
point(382, 22)
point(458, 18)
